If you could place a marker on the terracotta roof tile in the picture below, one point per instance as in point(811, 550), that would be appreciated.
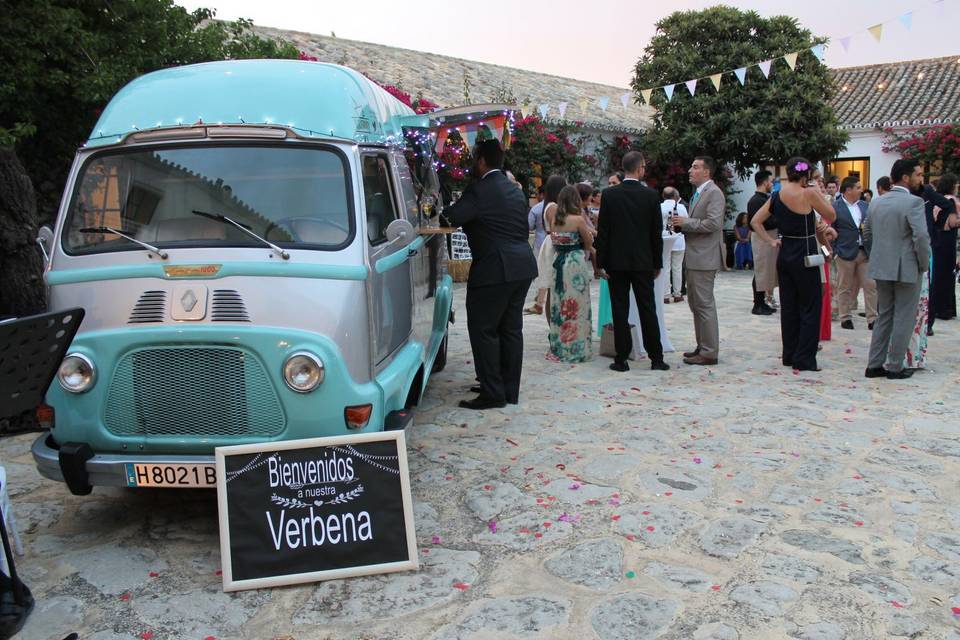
point(440, 79)
point(900, 94)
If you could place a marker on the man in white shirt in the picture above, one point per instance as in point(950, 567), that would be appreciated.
point(671, 206)
point(853, 255)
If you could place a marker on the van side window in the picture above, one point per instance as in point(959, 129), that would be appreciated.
point(376, 193)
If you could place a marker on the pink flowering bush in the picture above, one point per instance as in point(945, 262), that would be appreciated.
point(938, 146)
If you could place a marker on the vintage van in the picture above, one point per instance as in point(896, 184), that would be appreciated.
point(249, 241)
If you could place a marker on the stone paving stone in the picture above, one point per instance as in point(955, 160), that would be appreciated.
point(918, 488)
point(113, 570)
point(949, 447)
point(791, 568)
point(522, 617)
point(53, 618)
point(882, 587)
point(891, 459)
point(820, 631)
point(811, 541)
point(790, 494)
point(905, 508)
point(839, 514)
point(946, 544)
point(716, 631)
point(770, 598)
point(573, 492)
point(944, 573)
point(596, 563)
point(350, 601)
point(818, 469)
point(632, 616)
point(728, 537)
point(610, 467)
point(682, 484)
point(198, 613)
point(906, 531)
point(493, 498)
point(685, 578)
point(904, 626)
point(657, 525)
point(525, 531)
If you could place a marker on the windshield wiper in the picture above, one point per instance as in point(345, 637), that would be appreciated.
point(148, 247)
point(246, 229)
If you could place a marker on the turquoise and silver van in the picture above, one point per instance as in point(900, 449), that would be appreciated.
point(250, 241)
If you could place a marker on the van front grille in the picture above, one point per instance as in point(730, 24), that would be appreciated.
point(203, 391)
point(151, 307)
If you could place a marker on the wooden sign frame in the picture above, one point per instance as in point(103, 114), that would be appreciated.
point(412, 561)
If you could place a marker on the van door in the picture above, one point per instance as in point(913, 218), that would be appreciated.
point(391, 291)
point(420, 259)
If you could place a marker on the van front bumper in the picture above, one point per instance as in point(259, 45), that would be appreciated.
point(101, 469)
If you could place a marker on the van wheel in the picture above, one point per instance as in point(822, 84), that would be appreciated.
point(441, 360)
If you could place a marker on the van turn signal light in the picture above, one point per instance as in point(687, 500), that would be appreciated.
point(357, 417)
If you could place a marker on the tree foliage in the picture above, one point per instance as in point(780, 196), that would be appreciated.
point(767, 120)
point(540, 149)
point(64, 59)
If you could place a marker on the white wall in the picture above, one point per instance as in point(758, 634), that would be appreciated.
point(863, 144)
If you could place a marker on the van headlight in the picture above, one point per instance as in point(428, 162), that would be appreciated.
point(303, 372)
point(77, 373)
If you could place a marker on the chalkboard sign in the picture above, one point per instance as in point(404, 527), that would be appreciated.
point(318, 509)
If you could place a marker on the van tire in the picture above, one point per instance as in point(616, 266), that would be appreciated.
point(441, 360)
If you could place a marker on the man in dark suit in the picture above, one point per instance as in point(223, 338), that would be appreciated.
point(630, 250)
point(853, 254)
point(764, 256)
point(493, 214)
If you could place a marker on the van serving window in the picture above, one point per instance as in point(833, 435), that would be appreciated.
point(376, 193)
point(295, 197)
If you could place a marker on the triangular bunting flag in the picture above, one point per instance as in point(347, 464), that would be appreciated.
point(845, 42)
point(715, 79)
point(603, 101)
point(791, 59)
point(765, 67)
point(691, 86)
point(625, 100)
point(876, 31)
point(669, 91)
point(907, 20)
point(527, 109)
point(583, 103)
point(562, 108)
point(741, 75)
point(544, 109)
point(646, 94)
point(817, 51)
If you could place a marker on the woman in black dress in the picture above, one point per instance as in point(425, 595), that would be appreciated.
point(943, 241)
point(801, 295)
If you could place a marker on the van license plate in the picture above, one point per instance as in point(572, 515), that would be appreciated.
point(171, 475)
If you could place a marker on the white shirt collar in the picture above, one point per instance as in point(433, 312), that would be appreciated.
point(851, 204)
point(703, 186)
point(489, 172)
point(631, 179)
point(897, 186)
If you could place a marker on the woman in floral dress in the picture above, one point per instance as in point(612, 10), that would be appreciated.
point(916, 357)
point(569, 314)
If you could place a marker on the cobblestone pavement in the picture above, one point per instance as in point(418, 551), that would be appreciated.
point(741, 501)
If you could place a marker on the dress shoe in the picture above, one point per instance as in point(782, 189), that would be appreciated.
point(846, 324)
point(666, 300)
point(480, 403)
point(692, 354)
point(929, 331)
point(875, 372)
point(698, 359)
point(619, 366)
point(862, 314)
point(768, 308)
point(903, 374)
point(759, 310)
point(678, 298)
point(869, 326)
point(660, 366)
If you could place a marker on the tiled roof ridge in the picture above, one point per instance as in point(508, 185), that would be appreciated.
point(900, 63)
point(621, 90)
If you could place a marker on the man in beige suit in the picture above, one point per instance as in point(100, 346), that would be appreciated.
point(703, 232)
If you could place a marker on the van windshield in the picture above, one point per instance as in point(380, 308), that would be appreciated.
point(177, 196)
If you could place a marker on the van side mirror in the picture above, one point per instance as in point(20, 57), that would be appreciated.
point(45, 241)
point(401, 231)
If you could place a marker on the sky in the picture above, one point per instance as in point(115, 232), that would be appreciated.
point(593, 40)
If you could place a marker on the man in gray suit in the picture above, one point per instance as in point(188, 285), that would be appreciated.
point(853, 254)
point(896, 232)
point(703, 233)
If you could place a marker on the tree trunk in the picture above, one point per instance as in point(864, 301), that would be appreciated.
point(21, 264)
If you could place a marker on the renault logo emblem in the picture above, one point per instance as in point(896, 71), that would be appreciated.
point(188, 300)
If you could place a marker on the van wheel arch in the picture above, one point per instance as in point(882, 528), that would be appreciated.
point(416, 388)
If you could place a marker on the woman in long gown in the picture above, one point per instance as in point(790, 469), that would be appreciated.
point(545, 257)
point(574, 261)
point(801, 291)
point(916, 357)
